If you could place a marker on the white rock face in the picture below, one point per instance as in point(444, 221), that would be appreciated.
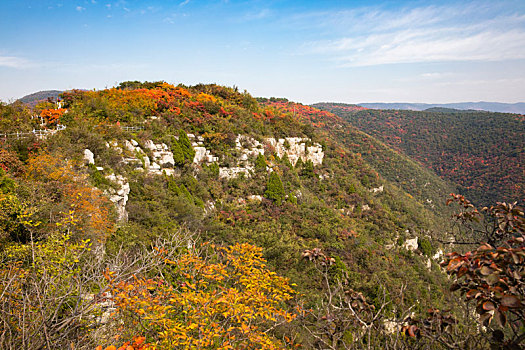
point(120, 196)
point(248, 146)
point(377, 189)
point(165, 159)
point(411, 244)
point(150, 145)
point(129, 146)
point(89, 157)
point(162, 158)
point(203, 155)
point(296, 148)
point(147, 162)
point(230, 173)
point(168, 171)
point(438, 255)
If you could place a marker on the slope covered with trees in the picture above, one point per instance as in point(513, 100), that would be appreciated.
point(481, 152)
point(399, 169)
point(158, 216)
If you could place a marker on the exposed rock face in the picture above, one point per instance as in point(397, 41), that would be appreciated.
point(230, 173)
point(89, 157)
point(295, 148)
point(120, 196)
point(438, 256)
point(249, 147)
point(377, 189)
point(203, 155)
point(162, 156)
point(411, 244)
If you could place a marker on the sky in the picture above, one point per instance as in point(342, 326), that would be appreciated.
point(306, 51)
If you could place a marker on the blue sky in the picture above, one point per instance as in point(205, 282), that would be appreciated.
point(307, 51)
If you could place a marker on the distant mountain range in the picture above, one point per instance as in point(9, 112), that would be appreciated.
point(484, 106)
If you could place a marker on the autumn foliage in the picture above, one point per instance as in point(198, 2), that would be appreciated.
point(52, 116)
point(229, 300)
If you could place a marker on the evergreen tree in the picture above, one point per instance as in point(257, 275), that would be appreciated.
point(172, 186)
point(260, 162)
point(274, 188)
point(286, 161)
point(185, 144)
point(178, 154)
point(184, 192)
point(308, 169)
point(299, 164)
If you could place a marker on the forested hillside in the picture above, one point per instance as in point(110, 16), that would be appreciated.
point(482, 152)
point(34, 98)
point(407, 174)
point(150, 216)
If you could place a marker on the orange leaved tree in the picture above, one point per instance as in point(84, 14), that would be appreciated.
point(228, 300)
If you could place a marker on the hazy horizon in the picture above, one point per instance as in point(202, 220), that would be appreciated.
point(307, 51)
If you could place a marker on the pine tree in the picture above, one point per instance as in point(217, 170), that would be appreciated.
point(299, 164)
point(185, 144)
point(286, 161)
point(184, 192)
point(274, 188)
point(260, 162)
point(308, 169)
point(178, 154)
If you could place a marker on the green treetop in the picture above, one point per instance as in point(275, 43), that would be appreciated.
point(185, 144)
point(274, 188)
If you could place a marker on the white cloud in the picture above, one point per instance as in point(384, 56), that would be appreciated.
point(371, 36)
point(263, 13)
point(80, 8)
point(184, 3)
point(15, 62)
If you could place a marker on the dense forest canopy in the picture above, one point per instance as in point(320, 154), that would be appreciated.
point(483, 153)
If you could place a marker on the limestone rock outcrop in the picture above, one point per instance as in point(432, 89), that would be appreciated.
point(89, 157)
point(120, 196)
point(296, 147)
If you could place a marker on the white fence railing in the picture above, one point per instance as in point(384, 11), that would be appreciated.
point(132, 128)
point(43, 133)
point(40, 133)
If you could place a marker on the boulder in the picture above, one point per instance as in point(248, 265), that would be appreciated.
point(89, 157)
point(411, 244)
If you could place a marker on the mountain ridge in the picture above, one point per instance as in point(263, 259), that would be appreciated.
point(518, 107)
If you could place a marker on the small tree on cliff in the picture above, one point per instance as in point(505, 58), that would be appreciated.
point(260, 162)
point(185, 144)
point(178, 154)
point(275, 188)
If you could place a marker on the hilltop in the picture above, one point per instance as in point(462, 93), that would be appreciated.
point(34, 98)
